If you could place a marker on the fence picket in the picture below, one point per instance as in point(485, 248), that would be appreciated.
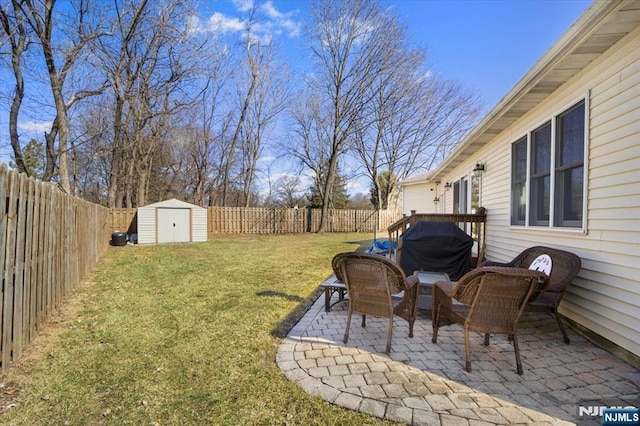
point(9, 265)
point(49, 241)
point(256, 220)
point(18, 272)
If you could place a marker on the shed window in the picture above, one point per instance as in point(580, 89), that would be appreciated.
point(548, 165)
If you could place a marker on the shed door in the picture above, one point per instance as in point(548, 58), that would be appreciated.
point(173, 225)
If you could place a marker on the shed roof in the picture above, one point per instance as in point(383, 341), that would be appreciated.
point(173, 203)
point(602, 25)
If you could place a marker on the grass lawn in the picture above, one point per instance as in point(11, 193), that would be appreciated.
point(180, 334)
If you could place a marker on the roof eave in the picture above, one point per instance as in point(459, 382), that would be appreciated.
point(505, 110)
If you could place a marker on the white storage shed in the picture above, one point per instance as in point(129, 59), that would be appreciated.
point(171, 221)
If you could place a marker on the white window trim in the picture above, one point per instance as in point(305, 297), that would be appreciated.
point(553, 118)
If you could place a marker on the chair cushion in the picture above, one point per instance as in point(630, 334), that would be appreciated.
point(542, 263)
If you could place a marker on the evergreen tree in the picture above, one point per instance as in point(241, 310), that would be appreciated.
point(339, 198)
point(33, 158)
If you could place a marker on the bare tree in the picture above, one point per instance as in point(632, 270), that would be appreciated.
point(15, 29)
point(269, 100)
point(348, 38)
point(81, 29)
point(413, 120)
point(289, 192)
point(307, 140)
point(202, 149)
point(149, 59)
point(252, 48)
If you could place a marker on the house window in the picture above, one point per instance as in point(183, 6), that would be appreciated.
point(540, 175)
point(548, 165)
point(460, 195)
point(519, 182)
point(569, 170)
point(456, 197)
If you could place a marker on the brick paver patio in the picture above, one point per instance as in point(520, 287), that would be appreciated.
point(423, 383)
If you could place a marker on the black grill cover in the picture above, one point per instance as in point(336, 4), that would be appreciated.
point(436, 247)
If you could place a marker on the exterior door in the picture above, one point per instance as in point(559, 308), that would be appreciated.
point(173, 225)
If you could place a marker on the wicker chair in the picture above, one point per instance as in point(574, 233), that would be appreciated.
point(491, 300)
point(565, 267)
point(336, 263)
point(371, 281)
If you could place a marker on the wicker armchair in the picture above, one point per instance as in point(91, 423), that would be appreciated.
point(371, 281)
point(565, 267)
point(336, 263)
point(491, 300)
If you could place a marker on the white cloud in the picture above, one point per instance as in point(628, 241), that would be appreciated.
point(282, 20)
point(220, 22)
point(35, 126)
point(193, 25)
point(270, 10)
point(361, 185)
point(243, 5)
point(268, 25)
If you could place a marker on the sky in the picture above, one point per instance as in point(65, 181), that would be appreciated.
point(484, 45)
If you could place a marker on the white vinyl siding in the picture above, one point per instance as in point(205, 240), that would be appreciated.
point(419, 197)
point(146, 226)
point(605, 297)
point(199, 225)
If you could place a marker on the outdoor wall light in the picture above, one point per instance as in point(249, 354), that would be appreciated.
point(447, 186)
point(478, 169)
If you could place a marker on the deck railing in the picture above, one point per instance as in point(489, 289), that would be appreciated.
point(472, 224)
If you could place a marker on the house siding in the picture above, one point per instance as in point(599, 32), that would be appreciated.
point(605, 297)
point(418, 197)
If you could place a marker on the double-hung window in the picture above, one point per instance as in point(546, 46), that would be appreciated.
point(547, 173)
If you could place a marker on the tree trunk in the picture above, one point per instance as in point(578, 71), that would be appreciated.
point(17, 37)
point(63, 168)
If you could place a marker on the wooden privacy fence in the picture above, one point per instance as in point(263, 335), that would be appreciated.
point(125, 220)
point(229, 220)
point(50, 242)
point(280, 221)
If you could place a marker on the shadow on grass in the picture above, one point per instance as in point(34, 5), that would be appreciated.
point(283, 327)
point(363, 245)
point(280, 295)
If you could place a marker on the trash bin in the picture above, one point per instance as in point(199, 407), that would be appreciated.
point(118, 238)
